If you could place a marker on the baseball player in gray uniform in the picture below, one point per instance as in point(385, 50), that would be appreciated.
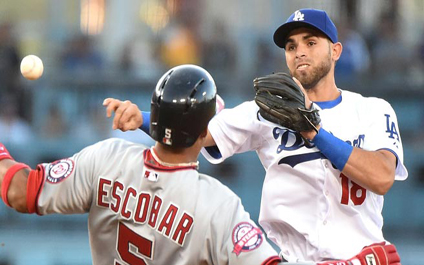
point(147, 205)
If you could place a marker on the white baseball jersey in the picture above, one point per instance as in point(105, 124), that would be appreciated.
point(142, 211)
point(308, 208)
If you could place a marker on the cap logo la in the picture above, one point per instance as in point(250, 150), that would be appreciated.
point(298, 16)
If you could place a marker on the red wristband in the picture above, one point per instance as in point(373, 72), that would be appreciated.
point(4, 154)
point(8, 178)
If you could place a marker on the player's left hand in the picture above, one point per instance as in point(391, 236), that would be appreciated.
point(283, 100)
point(375, 254)
point(127, 114)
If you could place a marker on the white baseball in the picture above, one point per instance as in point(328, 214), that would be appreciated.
point(32, 67)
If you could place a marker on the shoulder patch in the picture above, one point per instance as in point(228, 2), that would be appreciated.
point(246, 237)
point(59, 170)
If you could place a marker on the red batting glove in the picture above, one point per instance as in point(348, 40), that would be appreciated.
point(375, 254)
point(4, 154)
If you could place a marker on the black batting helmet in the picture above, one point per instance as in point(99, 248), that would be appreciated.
point(182, 105)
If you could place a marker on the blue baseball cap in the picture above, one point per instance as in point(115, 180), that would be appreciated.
point(312, 18)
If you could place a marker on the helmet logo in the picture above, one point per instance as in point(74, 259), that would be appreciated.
point(167, 139)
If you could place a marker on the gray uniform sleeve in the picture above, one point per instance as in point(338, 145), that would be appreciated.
point(235, 237)
point(68, 184)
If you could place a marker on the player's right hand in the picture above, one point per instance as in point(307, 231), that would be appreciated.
point(308, 102)
point(127, 114)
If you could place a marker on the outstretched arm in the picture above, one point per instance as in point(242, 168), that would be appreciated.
point(128, 116)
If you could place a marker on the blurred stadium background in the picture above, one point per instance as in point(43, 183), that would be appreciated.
point(93, 49)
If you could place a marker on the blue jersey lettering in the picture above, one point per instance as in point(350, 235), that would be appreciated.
point(391, 128)
point(290, 140)
point(297, 159)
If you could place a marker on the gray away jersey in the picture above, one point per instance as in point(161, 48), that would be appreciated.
point(142, 212)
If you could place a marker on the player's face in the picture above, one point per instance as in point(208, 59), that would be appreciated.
point(308, 56)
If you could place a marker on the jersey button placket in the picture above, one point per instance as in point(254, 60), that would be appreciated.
point(327, 201)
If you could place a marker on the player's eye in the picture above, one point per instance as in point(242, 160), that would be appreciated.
point(311, 43)
point(290, 47)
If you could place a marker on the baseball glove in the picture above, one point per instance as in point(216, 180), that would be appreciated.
point(281, 101)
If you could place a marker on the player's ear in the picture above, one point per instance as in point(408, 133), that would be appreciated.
point(202, 137)
point(204, 133)
point(337, 49)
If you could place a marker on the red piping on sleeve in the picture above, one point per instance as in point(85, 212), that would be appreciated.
point(273, 260)
point(34, 186)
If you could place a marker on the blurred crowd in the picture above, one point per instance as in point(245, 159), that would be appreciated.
point(379, 54)
point(375, 54)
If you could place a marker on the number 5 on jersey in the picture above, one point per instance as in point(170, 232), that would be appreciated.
point(132, 247)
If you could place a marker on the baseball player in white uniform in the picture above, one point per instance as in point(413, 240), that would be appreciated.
point(322, 199)
point(314, 194)
point(147, 205)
